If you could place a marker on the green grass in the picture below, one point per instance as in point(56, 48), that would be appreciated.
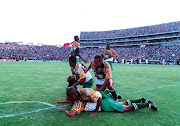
point(46, 82)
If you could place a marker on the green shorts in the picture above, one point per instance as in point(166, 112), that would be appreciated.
point(88, 84)
point(108, 104)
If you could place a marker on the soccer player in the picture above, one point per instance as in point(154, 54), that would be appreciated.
point(103, 75)
point(80, 98)
point(79, 77)
point(75, 51)
point(108, 54)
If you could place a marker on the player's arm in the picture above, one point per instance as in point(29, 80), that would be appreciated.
point(69, 113)
point(79, 82)
point(68, 100)
point(103, 54)
point(59, 102)
point(81, 57)
point(115, 54)
point(104, 85)
point(88, 69)
point(97, 108)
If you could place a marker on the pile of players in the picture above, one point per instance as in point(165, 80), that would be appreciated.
point(104, 97)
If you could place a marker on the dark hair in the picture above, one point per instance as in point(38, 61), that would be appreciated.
point(71, 91)
point(98, 57)
point(72, 58)
point(76, 38)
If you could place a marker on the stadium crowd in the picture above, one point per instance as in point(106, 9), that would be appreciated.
point(169, 53)
point(15, 51)
point(166, 27)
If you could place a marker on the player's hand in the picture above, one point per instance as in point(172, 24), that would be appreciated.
point(63, 110)
point(69, 79)
point(59, 102)
point(93, 113)
point(73, 86)
point(85, 71)
point(86, 61)
point(97, 89)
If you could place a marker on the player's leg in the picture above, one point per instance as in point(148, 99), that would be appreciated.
point(98, 86)
point(112, 90)
point(136, 106)
point(129, 102)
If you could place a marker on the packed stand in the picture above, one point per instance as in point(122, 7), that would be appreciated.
point(166, 27)
point(15, 51)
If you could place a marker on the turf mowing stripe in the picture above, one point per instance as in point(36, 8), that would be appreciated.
point(38, 110)
point(152, 89)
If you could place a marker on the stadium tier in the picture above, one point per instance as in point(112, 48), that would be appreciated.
point(168, 33)
point(156, 43)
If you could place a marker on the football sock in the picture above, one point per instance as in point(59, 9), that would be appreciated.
point(114, 94)
point(133, 101)
point(139, 105)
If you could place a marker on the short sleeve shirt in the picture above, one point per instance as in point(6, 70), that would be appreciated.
point(109, 53)
point(78, 72)
point(103, 72)
point(87, 95)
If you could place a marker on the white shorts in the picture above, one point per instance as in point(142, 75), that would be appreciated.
point(92, 106)
point(101, 81)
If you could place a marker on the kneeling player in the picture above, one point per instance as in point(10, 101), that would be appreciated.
point(78, 77)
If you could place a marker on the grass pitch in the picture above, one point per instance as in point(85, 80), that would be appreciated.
point(45, 82)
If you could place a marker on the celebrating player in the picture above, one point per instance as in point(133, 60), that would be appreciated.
point(108, 54)
point(75, 51)
point(103, 75)
point(80, 98)
point(78, 75)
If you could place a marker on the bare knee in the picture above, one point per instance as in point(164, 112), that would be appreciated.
point(110, 86)
point(127, 108)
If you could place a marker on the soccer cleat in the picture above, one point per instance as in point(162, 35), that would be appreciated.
point(152, 105)
point(119, 96)
point(143, 100)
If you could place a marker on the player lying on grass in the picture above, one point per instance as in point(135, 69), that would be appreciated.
point(103, 101)
point(78, 77)
point(103, 75)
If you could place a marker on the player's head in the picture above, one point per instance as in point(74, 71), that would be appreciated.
point(72, 93)
point(108, 45)
point(76, 38)
point(72, 61)
point(98, 61)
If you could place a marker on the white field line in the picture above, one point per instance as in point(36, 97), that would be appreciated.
point(53, 106)
point(38, 110)
point(152, 88)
